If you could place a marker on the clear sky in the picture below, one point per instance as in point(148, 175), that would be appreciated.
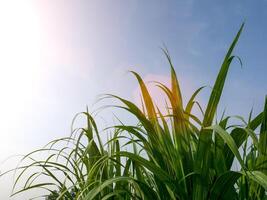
point(56, 56)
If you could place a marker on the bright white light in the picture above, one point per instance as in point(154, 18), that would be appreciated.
point(19, 65)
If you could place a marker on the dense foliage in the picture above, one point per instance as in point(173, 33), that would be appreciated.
point(167, 155)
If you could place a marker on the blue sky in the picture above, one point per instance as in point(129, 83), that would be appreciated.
point(75, 50)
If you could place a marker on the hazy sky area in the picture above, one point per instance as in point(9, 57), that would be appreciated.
point(57, 56)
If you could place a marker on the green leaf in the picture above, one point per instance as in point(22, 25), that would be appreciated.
point(259, 177)
point(223, 187)
point(229, 141)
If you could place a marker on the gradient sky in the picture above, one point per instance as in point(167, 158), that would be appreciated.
point(56, 56)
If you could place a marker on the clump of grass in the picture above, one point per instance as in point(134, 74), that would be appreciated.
point(170, 156)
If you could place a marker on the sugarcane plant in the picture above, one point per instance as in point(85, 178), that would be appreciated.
point(167, 154)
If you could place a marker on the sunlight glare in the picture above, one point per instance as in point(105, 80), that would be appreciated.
point(19, 63)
